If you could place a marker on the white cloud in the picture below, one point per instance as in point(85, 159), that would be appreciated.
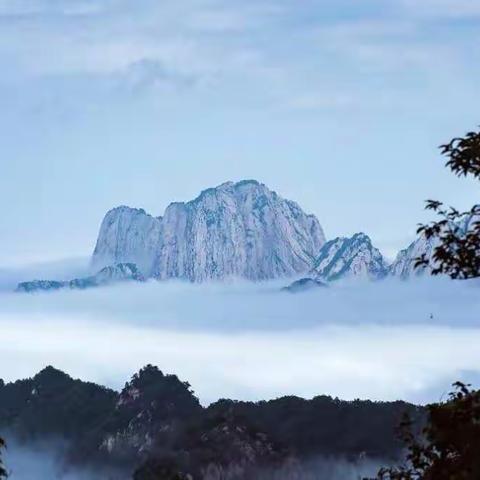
point(119, 35)
point(444, 8)
point(213, 42)
point(30, 8)
point(383, 45)
point(321, 101)
point(251, 342)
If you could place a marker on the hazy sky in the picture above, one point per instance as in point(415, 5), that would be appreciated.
point(337, 104)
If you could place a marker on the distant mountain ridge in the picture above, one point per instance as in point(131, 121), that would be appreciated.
point(241, 230)
point(356, 258)
point(343, 258)
point(244, 230)
point(235, 230)
point(120, 272)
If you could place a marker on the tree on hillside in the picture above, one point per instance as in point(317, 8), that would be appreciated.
point(448, 447)
point(457, 233)
point(3, 472)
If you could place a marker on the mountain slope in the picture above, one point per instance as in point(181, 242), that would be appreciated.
point(120, 272)
point(349, 257)
point(404, 264)
point(157, 427)
point(53, 404)
point(303, 285)
point(238, 229)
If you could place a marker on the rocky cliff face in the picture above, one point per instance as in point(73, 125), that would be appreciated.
point(353, 257)
point(239, 230)
point(128, 235)
point(404, 264)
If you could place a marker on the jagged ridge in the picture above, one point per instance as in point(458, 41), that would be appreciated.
point(350, 257)
point(238, 229)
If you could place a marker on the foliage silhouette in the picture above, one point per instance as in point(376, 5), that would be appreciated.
point(457, 233)
point(448, 447)
point(449, 444)
point(3, 472)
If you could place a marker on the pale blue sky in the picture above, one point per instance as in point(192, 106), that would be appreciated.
point(337, 104)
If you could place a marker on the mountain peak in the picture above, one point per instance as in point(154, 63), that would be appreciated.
point(360, 236)
point(50, 379)
point(229, 187)
point(240, 229)
point(241, 183)
point(150, 390)
point(126, 210)
point(51, 372)
point(350, 257)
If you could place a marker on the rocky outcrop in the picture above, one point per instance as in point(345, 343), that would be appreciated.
point(305, 284)
point(343, 258)
point(147, 413)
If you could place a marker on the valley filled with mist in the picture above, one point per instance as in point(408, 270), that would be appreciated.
point(383, 341)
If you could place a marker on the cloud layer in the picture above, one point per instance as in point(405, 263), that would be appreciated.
point(385, 341)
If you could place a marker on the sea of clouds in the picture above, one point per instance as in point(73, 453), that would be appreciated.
point(383, 341)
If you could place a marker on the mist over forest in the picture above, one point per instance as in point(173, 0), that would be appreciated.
point(45, 462)
point(385, 341)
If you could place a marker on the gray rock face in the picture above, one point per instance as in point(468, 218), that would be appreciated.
point(304, 284)
point(40, 285)
point(404, 265)
point(116, 273)
point(353, 257)
point(127, 235)
point(241, 230)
